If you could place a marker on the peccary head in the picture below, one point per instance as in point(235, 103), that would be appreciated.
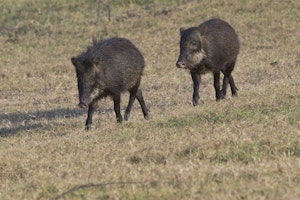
point(191, 49)
point(87, 78)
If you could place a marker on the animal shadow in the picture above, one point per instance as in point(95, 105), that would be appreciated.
point(13, 123)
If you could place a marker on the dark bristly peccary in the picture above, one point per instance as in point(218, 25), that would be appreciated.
point(212, 46)
point(108, 68)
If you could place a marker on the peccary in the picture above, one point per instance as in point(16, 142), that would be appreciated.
point(212, 46)
point(108, 68)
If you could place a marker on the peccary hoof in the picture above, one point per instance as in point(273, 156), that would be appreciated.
point(221, 97)
point(126, 116)
point(119, 119)
point(147, 117)
point(195, 102)
point(88, 127)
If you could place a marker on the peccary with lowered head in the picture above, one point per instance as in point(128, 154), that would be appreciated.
point(108, 68)
point(212, 46)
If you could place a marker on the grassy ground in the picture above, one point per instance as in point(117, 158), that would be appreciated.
point(240, 148)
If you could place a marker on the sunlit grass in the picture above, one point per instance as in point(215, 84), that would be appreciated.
point(240, 148)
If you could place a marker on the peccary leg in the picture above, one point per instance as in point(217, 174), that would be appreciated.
point(196, 77)
point(232, 86)
point(140, 98)
point(229, 79)
point(116, 99)
point(224, 87)
point(219, 96)
point(136, 93)
point(91, 110)
point(132, 96)
point(92, 107)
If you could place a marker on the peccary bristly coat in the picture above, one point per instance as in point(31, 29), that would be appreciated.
point(108, 68)
point(212, 46)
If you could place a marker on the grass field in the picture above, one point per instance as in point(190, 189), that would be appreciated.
point(240, 148)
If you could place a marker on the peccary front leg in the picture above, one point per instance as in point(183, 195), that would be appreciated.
point(219, 95)
point(89, 120)
point(196, 77)
point(117, 99)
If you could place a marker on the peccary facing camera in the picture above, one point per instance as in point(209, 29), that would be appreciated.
point(212, 46)
point(108, 68)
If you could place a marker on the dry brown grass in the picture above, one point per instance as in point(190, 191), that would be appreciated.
point(240, 148)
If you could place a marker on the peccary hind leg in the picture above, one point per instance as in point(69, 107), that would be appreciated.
point(140, 98)
point(229, 79)
point(219, 95)
point(136, 93)
point(132, 95)
point(232, 86)
point(117, 99)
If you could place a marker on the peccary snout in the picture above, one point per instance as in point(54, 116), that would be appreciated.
point(180, 64)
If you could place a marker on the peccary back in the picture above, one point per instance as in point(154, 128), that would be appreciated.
point(219, 42)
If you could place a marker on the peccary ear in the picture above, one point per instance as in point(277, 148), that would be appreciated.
point(181, 30)
point(74, 61)
point(202, 30)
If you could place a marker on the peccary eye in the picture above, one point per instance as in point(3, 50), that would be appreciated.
point(194, 43)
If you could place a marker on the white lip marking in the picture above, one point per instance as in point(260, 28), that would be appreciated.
point(198, 57)
point(95, 93)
